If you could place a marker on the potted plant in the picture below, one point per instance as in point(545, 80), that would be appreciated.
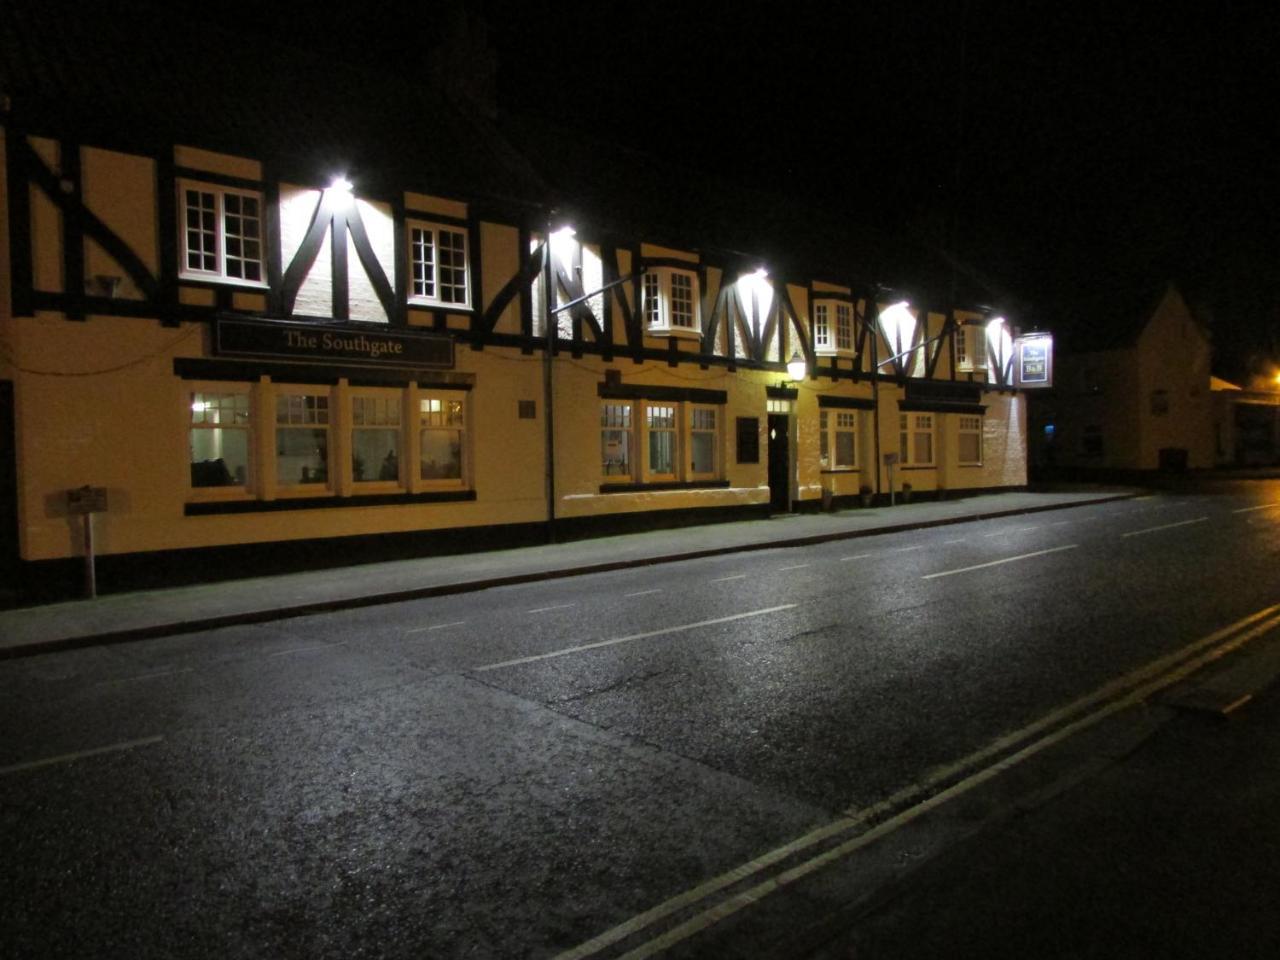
point(865, 493)
point(906, 493)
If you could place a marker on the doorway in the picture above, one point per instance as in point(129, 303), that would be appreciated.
point(8, 491)
point(779, 463)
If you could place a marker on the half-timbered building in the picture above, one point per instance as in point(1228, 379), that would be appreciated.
point(293, 332)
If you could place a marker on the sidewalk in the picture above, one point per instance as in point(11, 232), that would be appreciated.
point(158, 613)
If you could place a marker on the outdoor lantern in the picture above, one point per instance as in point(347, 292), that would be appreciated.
point(796, 367)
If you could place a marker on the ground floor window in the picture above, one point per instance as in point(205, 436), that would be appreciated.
point(375, 437)
point(915, 439)
point(219, 437)
point(441, 434)
point(680, 441)
point(324, 440)
point(969, 443)
point(838, 439)
point(302, 439)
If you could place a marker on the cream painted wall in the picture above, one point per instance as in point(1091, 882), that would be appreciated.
point(121, 190)
point(297, 208)
point(124, 426)
point(46, 225)
point(1174, 355)
point(501, 257)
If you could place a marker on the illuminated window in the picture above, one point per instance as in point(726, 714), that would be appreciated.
point(838, 439)
point(832, 327)
point(442, 423)
point(670, 301)
point(615, 441)
point(969, 446)
point(438, 265)
point(221, 234)
point(220, 439)
point(375, 437)
point(302, 439)
point(915, 439)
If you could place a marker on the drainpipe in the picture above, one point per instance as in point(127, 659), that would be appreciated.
point(548, 394)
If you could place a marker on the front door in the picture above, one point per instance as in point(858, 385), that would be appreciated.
point(8, 495)
point(779, 463)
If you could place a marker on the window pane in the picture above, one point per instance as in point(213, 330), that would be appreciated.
point(302, 455)
point(681, 300)
point(219, 457)
point(441, 454)
point(844, 448)
point(375, 455)
point(652, 300)
point(970, 448)
point(662, 451)
point(615, 453)
point(924, 448)
point(703, 453)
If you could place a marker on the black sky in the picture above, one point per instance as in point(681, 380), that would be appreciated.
point(1062, 149)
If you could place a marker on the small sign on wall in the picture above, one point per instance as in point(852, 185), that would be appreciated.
point(84, 500)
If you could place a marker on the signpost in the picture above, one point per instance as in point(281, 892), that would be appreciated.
point(889, 460)
point(86, 501)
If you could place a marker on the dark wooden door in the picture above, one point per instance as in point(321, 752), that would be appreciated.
point(779, 463)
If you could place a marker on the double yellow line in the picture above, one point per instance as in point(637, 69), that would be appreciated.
point(883, 818)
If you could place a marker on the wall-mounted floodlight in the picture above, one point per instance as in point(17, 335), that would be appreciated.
point(755, 288)
point(340, 192)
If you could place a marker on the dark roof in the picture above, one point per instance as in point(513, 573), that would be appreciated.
point(153, 77)
point(159, 77)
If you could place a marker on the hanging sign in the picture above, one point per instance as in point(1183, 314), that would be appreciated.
point(1033, 361)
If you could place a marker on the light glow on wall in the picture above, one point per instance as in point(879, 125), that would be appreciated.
point(339, 193)
point(562, 244)
point(898, 324)
point(755, 287)
point(999, 346)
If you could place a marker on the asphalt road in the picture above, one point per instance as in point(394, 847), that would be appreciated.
point(515, 772)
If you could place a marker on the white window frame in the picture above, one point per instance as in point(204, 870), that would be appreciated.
point(309, 418)
point(443, 398)
point(220, 236)
point(192, 390)
point(971, 348)
point(609, 410)
point(657, 305)
point(833, 421)
point(417, 234)
point(833, 327)
point(968, 425)
point(910, 427)
point(691, 415)
point(387, 405)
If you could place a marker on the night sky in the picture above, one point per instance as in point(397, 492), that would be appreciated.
point(1062, 150)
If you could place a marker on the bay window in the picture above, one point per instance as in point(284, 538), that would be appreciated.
point(438, 265)
point(221, 235)
point(832, 327)
point(669, 302)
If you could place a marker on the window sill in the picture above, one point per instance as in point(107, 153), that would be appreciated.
point(664, 485)
point(208, 508)
point(923, 466)
point(682, 333)
point(840, 470)
point(838, 353)
point(208, 280)
point(438, 305)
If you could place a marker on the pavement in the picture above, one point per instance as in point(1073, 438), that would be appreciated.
point(157, 613)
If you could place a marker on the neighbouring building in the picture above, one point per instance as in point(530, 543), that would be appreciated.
point(274, 332)
point(1134, 395)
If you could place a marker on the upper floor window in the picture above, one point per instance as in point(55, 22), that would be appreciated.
point(971, 348)
point(832, 326)
point(670, 301)
point(438, 265)
point(221, 234)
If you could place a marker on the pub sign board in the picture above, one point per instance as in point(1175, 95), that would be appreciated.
point(1033, 361)
point(348, 344)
